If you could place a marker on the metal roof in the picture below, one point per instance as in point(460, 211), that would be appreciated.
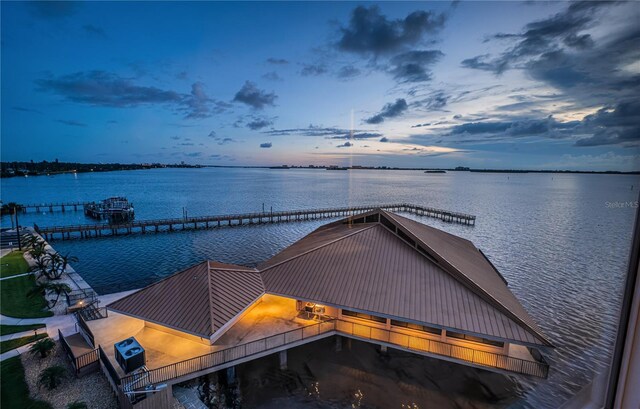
point(198, 300)
point(394, 267)
point(462, 257)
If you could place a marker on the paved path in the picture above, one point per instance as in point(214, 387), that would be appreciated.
point(65, 323)
point(17, 275)
point(15, 352)
point(27, 333)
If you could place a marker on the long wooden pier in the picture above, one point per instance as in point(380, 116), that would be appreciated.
point(51, 207)
point(208, 222)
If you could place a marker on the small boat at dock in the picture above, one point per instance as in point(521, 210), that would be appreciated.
point(113, 209)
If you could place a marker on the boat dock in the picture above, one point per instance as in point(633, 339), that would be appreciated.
point(208, 222)
point(54, 206)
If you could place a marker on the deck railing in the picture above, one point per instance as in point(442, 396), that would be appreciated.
point(80, 362)
point(200, 363)
point(335, 326)
point(435, 347)
point(85, 330)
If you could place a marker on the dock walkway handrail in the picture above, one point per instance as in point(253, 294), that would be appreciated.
point(337, 326)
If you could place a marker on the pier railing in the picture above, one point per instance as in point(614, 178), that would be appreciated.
point(416, 343)
point(142, 226)
point(63, 206)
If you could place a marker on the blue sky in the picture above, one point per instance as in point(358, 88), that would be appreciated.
point(548, 85)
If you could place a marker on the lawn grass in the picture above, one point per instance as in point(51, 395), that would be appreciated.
point(14, 329)
point(14, 390)
point(15, 303)
point(18, 342)
point(13, 264)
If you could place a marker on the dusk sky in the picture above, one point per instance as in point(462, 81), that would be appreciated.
point(480, 84)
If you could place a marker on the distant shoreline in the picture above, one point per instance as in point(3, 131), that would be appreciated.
point(18, 169)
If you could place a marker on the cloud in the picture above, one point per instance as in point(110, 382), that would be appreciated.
point(277, 61)
point(590, 72)
point(258, 123)
point(94, 30)
point(548, 127)
point(356, 135)
point(198, 104)
point(266, 145)
point(312, 70)
point(100, 88)
point(371, 33)
point(390, 110)
point(220, 140)
point(225, 141)
point(70, 122)
point(414, 66)
point(193, 154)
point(106, 89)
point(347, 144)
point(619, 125)
point(348, 71)
point(326, 132)
point(434, 102)
point(52, 9)
point(22, 109)
point(250, 95)
point(543, 36)
point(272, 76)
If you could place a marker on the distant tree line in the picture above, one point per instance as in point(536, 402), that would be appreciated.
point(31, 168)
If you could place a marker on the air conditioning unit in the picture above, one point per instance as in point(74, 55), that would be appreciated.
point(129, 354)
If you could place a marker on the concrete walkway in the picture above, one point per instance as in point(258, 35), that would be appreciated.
point(65, 323)
point(17, 275)
point(27, 333)
point(15, 352)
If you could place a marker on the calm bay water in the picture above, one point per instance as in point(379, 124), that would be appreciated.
point(561, 241)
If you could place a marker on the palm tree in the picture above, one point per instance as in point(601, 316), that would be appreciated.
point(58, 289)
point(41, 289)
point(37, 248)
point(43, 347)
point(52, 376)
point(66, 259)
point(41, 267)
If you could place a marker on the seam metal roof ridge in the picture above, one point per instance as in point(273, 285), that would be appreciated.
point(212, 324)
point(319, 247)
point(137, 290)
point(475, 285)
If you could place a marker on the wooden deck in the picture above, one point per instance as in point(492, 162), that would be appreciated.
point(208, 222)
